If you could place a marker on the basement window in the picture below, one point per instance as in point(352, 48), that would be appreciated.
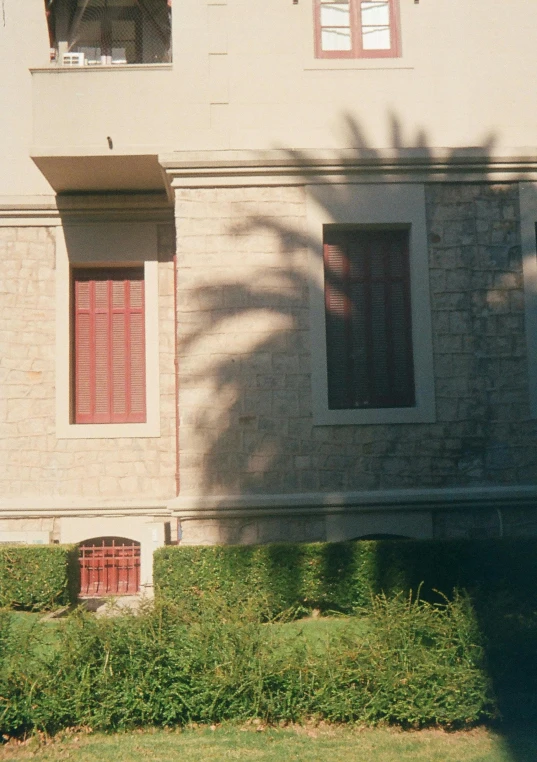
point(109, 32)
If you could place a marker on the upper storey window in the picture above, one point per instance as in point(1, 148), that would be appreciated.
point(108, 32)
point(357, 29)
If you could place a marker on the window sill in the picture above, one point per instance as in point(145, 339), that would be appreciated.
point(424, 413)
point(107, 430)
point(353, 64)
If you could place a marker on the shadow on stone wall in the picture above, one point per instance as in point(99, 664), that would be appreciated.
point(263, 439)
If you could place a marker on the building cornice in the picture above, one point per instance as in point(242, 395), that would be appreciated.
point(330, 503)
point(48, 507)
point(198, 169)
point(192, 507)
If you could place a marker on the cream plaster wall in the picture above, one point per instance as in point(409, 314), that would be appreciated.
point(23, 40)
point(245, 77)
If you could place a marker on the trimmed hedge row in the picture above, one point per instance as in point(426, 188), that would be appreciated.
point(342, 576)
point(38, 577)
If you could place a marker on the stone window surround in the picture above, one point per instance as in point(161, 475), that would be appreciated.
point(372, 204)
point(83, 244)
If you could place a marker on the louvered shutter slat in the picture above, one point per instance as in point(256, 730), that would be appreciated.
point(119, 359)
point(137, 367)
point(379, 339)
point(337, 325)
point(83, 363)
point(102, 367)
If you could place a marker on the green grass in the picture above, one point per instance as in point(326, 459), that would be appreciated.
point(43, 633)
point(300, 744)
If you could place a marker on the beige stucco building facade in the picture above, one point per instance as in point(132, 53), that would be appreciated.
point(213, 147)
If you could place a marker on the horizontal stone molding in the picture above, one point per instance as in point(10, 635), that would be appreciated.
point(254, 506)
point(58, 507)
point(198, 169)
point(330, 503)
point(39, 211)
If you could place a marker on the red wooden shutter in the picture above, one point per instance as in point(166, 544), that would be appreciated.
point(109, 347)
point(368, 319)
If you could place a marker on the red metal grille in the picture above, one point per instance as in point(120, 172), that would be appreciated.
point(109, 566)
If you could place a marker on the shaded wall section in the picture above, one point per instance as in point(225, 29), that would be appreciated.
point(244, 351)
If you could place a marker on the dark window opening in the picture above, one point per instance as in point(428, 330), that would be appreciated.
point(368, 318)
point(110, 32)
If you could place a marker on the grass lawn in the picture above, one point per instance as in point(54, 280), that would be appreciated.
point(43, 632)
point(315, 630)
point(303, 744)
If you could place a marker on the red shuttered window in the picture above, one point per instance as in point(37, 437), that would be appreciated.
point(109, 346)
point(356, 29)
point(368, 318)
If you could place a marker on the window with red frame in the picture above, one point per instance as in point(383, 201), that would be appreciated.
point(357, 29)
point(368, 318)
point(109, 346)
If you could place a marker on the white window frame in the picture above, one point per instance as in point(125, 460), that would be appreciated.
point(105, 244)
point(372, 205)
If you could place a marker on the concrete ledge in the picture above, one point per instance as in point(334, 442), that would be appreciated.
point(36, 507)
point(198, 169)
point(330, 503)
point(286, 504)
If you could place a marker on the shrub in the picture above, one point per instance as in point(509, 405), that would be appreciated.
point(411, 664)
point(37, 577)
point(342, 576)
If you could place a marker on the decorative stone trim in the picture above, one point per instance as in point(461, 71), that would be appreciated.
point(199, 169)
point(317, 504)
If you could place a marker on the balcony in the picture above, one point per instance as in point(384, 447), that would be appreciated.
point(100, 109)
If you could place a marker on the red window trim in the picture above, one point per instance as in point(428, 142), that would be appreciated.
point(357, 50)
point(343, 371)
point(110, 415)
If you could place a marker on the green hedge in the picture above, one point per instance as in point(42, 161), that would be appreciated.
point(38, 577)
point(342, 576)
point(405, 662)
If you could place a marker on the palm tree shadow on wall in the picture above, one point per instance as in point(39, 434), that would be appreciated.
point(257, 434)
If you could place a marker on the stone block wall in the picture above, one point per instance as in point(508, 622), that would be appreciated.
point(244, 351)
point(243, 340)
point(244, 361)
point(33, 462)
